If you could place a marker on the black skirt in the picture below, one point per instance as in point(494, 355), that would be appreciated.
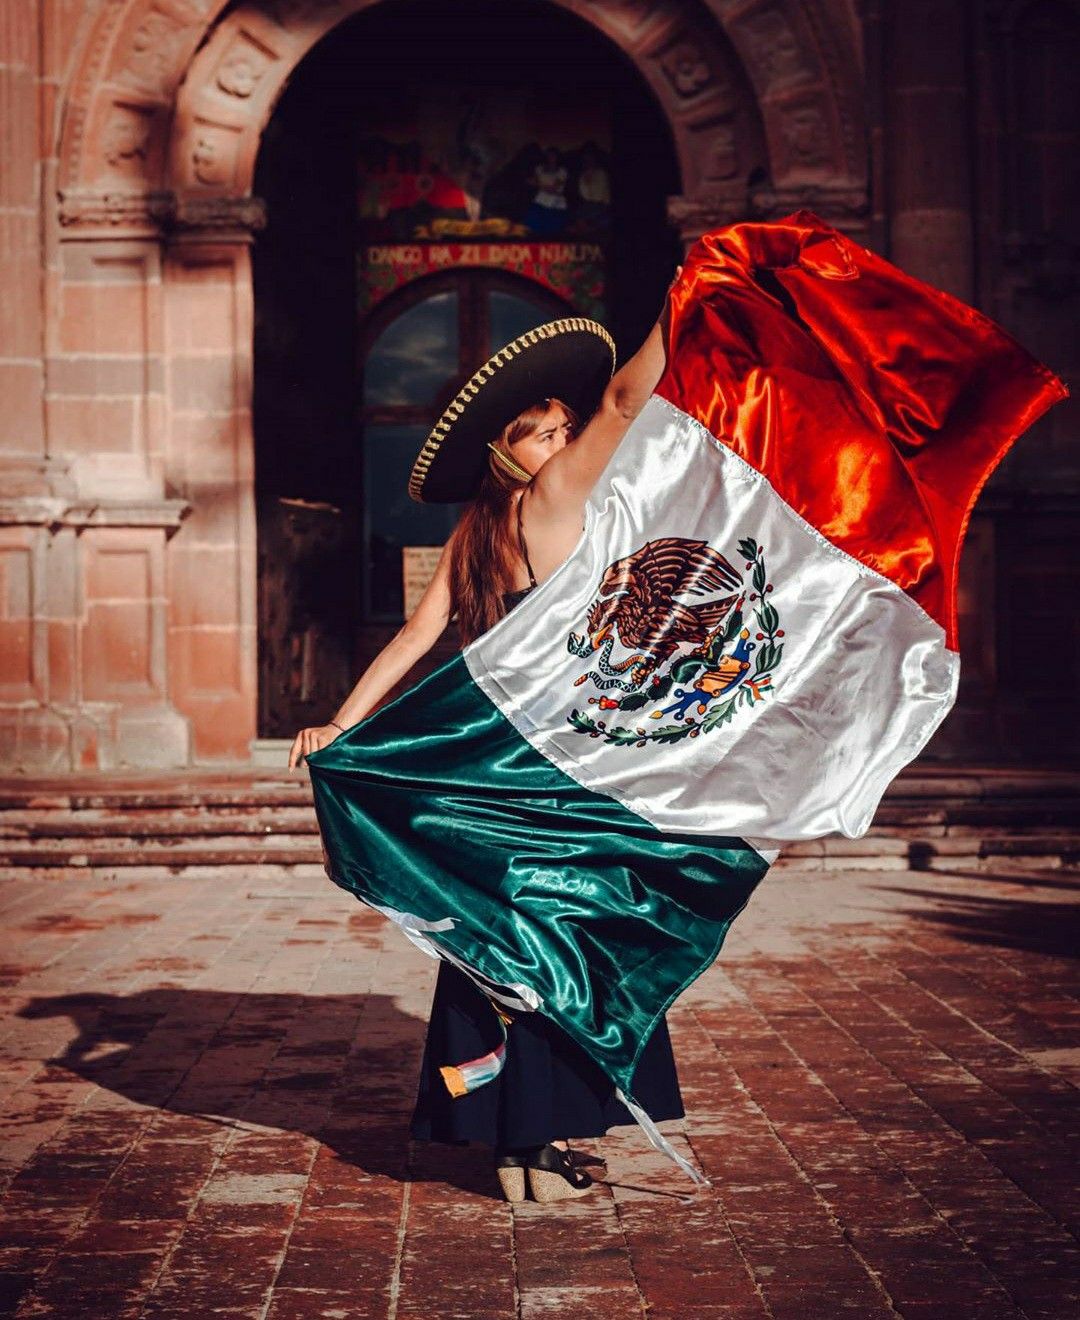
point(549, 1087)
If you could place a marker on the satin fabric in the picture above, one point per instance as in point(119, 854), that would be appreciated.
point(436, 808)
point(864, 679)
point(876, 405)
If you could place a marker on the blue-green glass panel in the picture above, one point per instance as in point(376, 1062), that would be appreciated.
point(391, 518)
point(415, 355)
point(512, 316)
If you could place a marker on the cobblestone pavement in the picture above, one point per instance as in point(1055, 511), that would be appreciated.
point(206, 1083)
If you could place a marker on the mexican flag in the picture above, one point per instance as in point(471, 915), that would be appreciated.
point(755, 632)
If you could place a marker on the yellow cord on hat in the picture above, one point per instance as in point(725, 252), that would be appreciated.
point(510, 464)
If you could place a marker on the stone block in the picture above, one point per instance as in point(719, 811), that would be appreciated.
point(220, 523)
point(119, 571)
point(202, 307)
point(93, 426)
point(116, 651)
point(152, 738)
point(21, 388)
point(204, 384)
point(33, 739)
point(867, 846)
point(84, 377)
point(20, 307)
point(17, 570)
point(18, 96)
point(60, 635)
point(105, 318)
point(805, 848)
point(203, 587)
point(221, 727)
point(123, 618)
point(133, 261)
point(212, 660)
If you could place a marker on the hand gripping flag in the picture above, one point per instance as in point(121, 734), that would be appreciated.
point(755, 632)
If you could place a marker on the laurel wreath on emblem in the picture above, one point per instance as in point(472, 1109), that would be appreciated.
point(728, 668)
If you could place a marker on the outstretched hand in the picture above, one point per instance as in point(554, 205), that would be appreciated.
point(311, 740)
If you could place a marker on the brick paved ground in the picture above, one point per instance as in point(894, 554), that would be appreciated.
point(206, 1081)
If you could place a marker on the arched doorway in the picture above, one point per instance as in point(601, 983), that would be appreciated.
point(400, 252)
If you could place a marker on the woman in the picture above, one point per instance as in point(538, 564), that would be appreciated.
point(524, 516)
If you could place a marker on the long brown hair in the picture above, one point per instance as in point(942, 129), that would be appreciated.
point(484, 550)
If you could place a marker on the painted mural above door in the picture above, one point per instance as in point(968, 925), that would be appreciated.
point(485, 177)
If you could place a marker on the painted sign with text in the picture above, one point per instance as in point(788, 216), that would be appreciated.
point(575, 271)
point(490, 177)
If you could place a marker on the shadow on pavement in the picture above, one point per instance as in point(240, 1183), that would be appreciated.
point(1008, 921)
point(211, 1054)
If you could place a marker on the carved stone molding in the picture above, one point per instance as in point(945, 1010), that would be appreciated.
point(166, 514)
point(846, 207)
point(31, 511)
point(88, 213)
point(219, 215)
point(84, 211)
point(705, 211)
point(43, 511)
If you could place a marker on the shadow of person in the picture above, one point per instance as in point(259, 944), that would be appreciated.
point(1005, 920)
point(339, 1068)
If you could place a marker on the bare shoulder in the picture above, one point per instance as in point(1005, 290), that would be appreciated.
point(553, 498)
point(552, 518)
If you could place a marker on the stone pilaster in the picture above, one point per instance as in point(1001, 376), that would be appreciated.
point(212, 564)
point(928, 147)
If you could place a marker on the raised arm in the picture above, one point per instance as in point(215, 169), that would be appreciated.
point(568, 476)
point(417, 635)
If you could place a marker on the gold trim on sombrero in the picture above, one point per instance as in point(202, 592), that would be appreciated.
point(510, 464)
point(471, 388)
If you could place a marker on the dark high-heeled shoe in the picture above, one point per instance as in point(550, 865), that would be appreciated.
point(552, 1176)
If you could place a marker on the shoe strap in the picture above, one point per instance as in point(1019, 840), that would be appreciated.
point(553, 1160)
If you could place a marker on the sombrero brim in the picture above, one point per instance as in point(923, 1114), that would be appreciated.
point(572, 359)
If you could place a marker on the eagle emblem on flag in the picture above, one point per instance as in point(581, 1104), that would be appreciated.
point(686, 613)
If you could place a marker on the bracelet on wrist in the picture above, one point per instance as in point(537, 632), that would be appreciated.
point(336, 725)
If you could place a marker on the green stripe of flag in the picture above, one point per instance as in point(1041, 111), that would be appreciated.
point(436, 806)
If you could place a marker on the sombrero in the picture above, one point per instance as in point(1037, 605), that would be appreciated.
point(571, 359)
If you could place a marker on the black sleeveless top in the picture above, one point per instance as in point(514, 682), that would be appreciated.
point(512, 598)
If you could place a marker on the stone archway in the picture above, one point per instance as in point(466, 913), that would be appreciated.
point(169, 100)
point(149, 376)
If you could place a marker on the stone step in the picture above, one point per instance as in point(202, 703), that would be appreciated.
point(1003, 812)
point(920, 788)
point(976, 784)
point(204, 819)
point(110, 798)
point(895, 806)
point(103, 823)
point(228, 852)
point(182, 850)
point(1066, 847)
point(929, 819)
